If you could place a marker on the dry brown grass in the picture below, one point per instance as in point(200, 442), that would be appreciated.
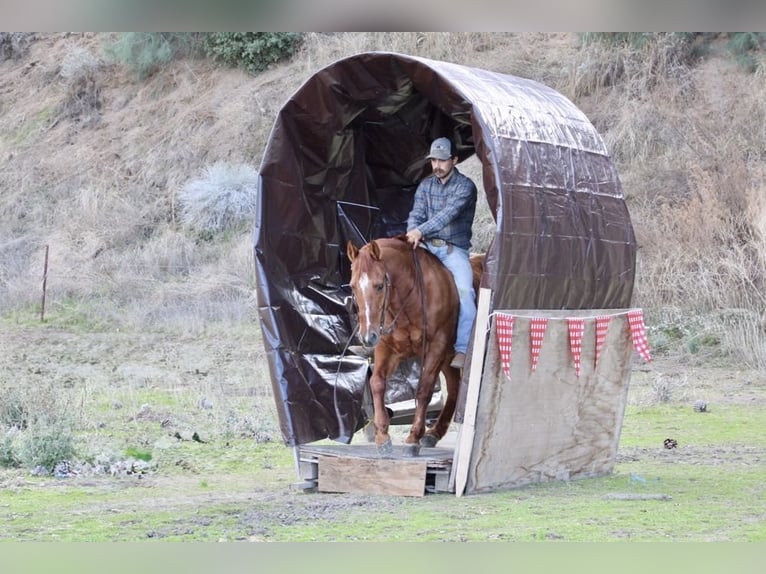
point(94, 171)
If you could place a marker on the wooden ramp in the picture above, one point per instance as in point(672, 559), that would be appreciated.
point(359, 469)
point(524, 422)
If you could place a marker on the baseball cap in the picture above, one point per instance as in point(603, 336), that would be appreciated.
point(441, 148)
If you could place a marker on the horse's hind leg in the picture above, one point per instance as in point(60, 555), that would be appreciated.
point(435, 433)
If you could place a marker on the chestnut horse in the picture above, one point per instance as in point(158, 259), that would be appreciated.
point(408, 307)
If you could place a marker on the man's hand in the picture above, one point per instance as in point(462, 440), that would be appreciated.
point(413, 237)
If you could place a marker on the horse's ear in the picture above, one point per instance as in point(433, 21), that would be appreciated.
point(351, 251)
point(374, 250)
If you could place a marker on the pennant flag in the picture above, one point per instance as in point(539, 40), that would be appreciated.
point(537, 326)
point(602, 326)
point(576, 327)
point(504, 337)
point(638, 333)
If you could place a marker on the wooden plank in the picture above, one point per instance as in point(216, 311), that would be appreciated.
point(371, 476)
point(434, 456)
point(459, 475)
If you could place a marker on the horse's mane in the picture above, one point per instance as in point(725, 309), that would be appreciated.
point(398, 243)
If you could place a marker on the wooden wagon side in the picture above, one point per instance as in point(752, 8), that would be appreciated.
point(547, 423)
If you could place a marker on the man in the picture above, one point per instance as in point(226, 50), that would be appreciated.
point(441, 218)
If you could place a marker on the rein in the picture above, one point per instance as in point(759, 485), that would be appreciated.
point(389, 329)
point(419, 275)
point(383, 329)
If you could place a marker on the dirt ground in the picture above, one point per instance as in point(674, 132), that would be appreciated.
point(226, 369)
point(221, 360)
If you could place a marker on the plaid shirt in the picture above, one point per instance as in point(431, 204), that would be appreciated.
point(445, 211)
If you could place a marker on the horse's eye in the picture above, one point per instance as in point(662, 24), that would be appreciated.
point(379, 287)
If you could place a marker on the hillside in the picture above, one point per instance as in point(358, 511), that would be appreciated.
point(94, 159)
point(142, 408)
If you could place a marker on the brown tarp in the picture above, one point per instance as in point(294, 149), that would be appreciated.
point(343, 159)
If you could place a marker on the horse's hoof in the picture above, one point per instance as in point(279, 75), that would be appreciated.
point(386, 449)
point(428, 441)
point(411, 450)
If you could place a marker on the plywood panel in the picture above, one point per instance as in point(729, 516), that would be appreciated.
point(550, 424)
point(372, 476)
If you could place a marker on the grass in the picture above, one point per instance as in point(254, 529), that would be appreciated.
point(236, 489)
point(190, 501)
point(723, 425)
point(699, 508)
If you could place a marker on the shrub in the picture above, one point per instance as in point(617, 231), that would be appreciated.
point(83, 99)
point(13, 410)
point(79, 62)
point(38, 423)
point(14, 45)
point(8, 456)
point(144, 52)
point(45, 443)
point(252, 51)
point(746, 47)
point(223, 199)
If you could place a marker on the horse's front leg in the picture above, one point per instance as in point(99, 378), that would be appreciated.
point(380, 414)
point(423, 398)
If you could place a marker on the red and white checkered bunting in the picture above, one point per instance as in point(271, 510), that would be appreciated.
point(602, 326)
point(638, 333)
point(537, 326)
point(576, 328)
point(504, 338)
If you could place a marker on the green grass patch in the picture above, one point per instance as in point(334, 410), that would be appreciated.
point(138, 453)
point(722, 424)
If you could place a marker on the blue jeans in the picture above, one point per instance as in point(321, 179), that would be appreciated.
point(456, 260)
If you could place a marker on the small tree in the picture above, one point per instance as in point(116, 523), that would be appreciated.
point(252, 51)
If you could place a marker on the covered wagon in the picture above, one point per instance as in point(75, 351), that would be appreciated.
point(344, 157)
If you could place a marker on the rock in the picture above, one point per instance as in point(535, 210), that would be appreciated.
point(700, 406)
point(670, 443)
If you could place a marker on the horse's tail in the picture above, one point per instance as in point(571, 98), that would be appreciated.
point(477, 266)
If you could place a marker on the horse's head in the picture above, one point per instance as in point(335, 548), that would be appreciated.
point(370, 286)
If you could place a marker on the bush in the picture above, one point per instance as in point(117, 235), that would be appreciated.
point(223, 199)
point(46, 443)
point(37, 424)
point(79, 62)
point(14, 45)
point(83, 98)
point(13, 410)
point(144, 52)
point(8, 457)
point(252, 51)
point(747, 47)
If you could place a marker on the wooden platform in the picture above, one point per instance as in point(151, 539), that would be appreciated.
point(360, 469)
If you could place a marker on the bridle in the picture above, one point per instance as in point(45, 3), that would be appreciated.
point(386, 330)
point(382, 329)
